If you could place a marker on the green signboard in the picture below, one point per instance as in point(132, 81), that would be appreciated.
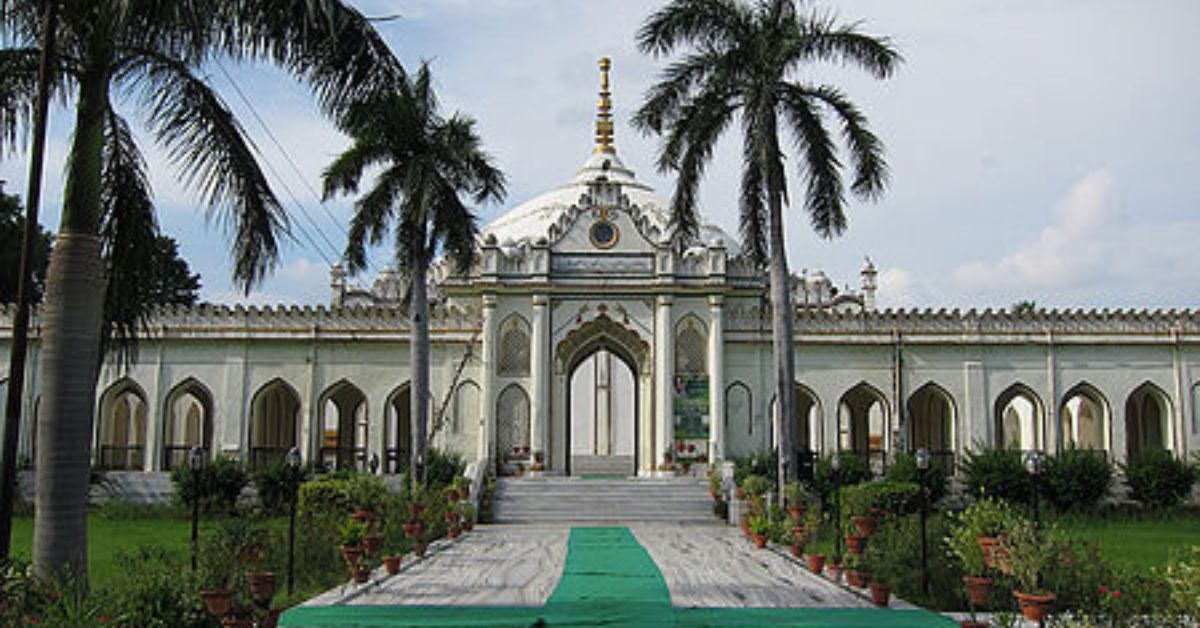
point(691, 407)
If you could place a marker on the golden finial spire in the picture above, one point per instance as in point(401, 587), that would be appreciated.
point(604, 123)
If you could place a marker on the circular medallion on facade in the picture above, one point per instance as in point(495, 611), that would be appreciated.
point(604, 234)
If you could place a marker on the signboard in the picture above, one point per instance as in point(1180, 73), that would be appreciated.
point(691, 408)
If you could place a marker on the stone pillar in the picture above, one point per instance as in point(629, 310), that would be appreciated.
point(156, 414)
point(716, 377)
point(664, 377)
point(487, 386)
point(540, 374)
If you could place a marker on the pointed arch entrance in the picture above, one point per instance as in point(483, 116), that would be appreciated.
point(122, 427)
point(397, 430)
point(189, 422)
point(343, 420)
point(602, 378)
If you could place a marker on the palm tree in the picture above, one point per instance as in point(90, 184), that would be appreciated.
point(743, 60)
point(426, 162)
point(151, 53)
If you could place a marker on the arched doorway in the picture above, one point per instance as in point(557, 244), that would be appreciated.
point(344, 423)
point(1084, 418)
point(602, 365)
point(930, 421)
point(603, 409)
point(863, 424)
point(189, 422)
point(397, 445)
point(122, 429)
point(805, 420)
point(275, 422)
point(1017, 417)
point(512, 423)
point(1147, 420)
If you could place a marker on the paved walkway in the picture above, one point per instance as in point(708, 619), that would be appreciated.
point(514, 575)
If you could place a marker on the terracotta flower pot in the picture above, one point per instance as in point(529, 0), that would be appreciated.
point(451, 517)
point(391, 564)
point(972, 623)
point(857, 578)
point(799, 534)
point(453, 531)
point(361, 574)
point(415, 509)
point(1035, 606)
point(372, 543)
point(880, 593)
point(988, 545)
point(796, 513)
point(468, 525)
point(365, 515)
point(816, 563)
point(978, 590)
point(739, 493)
point(760, 540)
point(420, 548)
point(865, 526)
point(797, 549)
point(352, 554)
point(834, 571)
point(217, 601)
point(261, 585)
point(272, 618)
point(856, 544)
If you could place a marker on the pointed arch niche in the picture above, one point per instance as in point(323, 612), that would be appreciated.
point(864, 424)
point(1084, 419)
point(805, 419)
point(1147, 420)
point(274, 423)
point(512, 422)
point(398, 430)
point(931, 423)
point(343, 424)
point(189, 422)
point(1018, 419)
point(122, 430)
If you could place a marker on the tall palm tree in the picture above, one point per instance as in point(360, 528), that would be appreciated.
point(151, 53)
point(426, 162)
point(743, 60)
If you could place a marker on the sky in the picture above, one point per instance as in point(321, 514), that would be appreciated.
point(1039, 150)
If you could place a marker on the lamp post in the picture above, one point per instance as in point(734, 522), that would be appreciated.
point(195, 463)
point(293, 463)
point(836, 464)
point(922, 469)
point(373, 464)
point(1033, 464)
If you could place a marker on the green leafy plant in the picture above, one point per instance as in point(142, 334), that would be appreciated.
point(989, 516)
point(353, 533)
point(1076, 479)
point(245, 538)
point(854, 470)
point(1158, 479)
point(1029, 552)
point(443, 466)
point(219, 484)
point(904, 469)
point(276, 483)
point(1183, 581)
point(760, 525)
point(796, 493)
point(962, 543)
point(997, 473)
point(756, 486)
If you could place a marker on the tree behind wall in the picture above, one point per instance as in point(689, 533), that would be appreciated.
point(12, 223)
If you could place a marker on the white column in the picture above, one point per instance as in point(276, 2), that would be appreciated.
point(540, 373)
point(716, 376)
point(664, 376)
point(487, 385)
point(156, 412)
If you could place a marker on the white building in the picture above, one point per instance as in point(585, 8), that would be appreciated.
point(584, 335)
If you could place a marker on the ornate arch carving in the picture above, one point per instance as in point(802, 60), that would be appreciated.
point(602, 331)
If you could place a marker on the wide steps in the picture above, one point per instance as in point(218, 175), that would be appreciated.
point(528, 500)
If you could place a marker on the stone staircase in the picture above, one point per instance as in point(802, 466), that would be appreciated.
point(534, 500)
point(602, 465)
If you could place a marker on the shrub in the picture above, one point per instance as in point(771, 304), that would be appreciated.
point(1158, 479)
point(855, 470)
point(759, 463)
point(341, 493)
point(443, 467)
point(158, 591)
point(1031, 552)
point(895, 554)
point(219, 483)
point(904, 469)
point(276, 484)
point(1183, 582)
point(756, 486)
point(997, 473)
point(1076, 479)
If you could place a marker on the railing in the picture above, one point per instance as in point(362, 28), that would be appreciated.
point(338, 458)
point(262, 456)
point(122, 457)
point(177, 456)
point(396, 460)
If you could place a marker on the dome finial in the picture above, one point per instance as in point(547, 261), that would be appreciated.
point(604, 122)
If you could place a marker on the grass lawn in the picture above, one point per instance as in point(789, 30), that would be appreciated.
point(109, 537)
point(1137, 543)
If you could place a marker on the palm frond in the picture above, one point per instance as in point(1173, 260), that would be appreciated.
point(215, 156)
point(327, 43)
point(752, 223)
point(865, 148)
point(819, 167)
point(690, 145)
point(129, 228)
point(820, 37)
point(373, 215)
point(18, 91)
point(343, 174)
point(676, 84)
point(699, 22)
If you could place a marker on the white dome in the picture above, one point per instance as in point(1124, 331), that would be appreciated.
point(531, 220)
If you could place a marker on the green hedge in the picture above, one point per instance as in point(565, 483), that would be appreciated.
point(1158, 479)
point(1076, 479)
point(997, 473)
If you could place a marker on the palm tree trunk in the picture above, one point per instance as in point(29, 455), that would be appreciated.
point(71, 349)
point(419, 358)
point(781, 312)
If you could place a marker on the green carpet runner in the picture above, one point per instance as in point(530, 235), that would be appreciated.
point(608, 580)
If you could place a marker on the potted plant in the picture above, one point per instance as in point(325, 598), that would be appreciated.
point(1029, 552)
point(857, 574)
point(962, 543)
point(217, 566)
point(760, 526)
point(714, 485)
point(668, 462)
point(859, 502)
point(989, 518)
point(885, 571)
point(833, 568)
point(797, 500)
point(756, 487)
point(468, 515)
point(352, 534)
point(391, 563)
point(855, 544)
point(261, 586)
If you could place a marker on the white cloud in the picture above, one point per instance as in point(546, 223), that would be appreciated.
point(1076, 247)
point(898, 288)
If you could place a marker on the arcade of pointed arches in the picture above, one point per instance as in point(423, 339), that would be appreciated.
point(864, 424)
